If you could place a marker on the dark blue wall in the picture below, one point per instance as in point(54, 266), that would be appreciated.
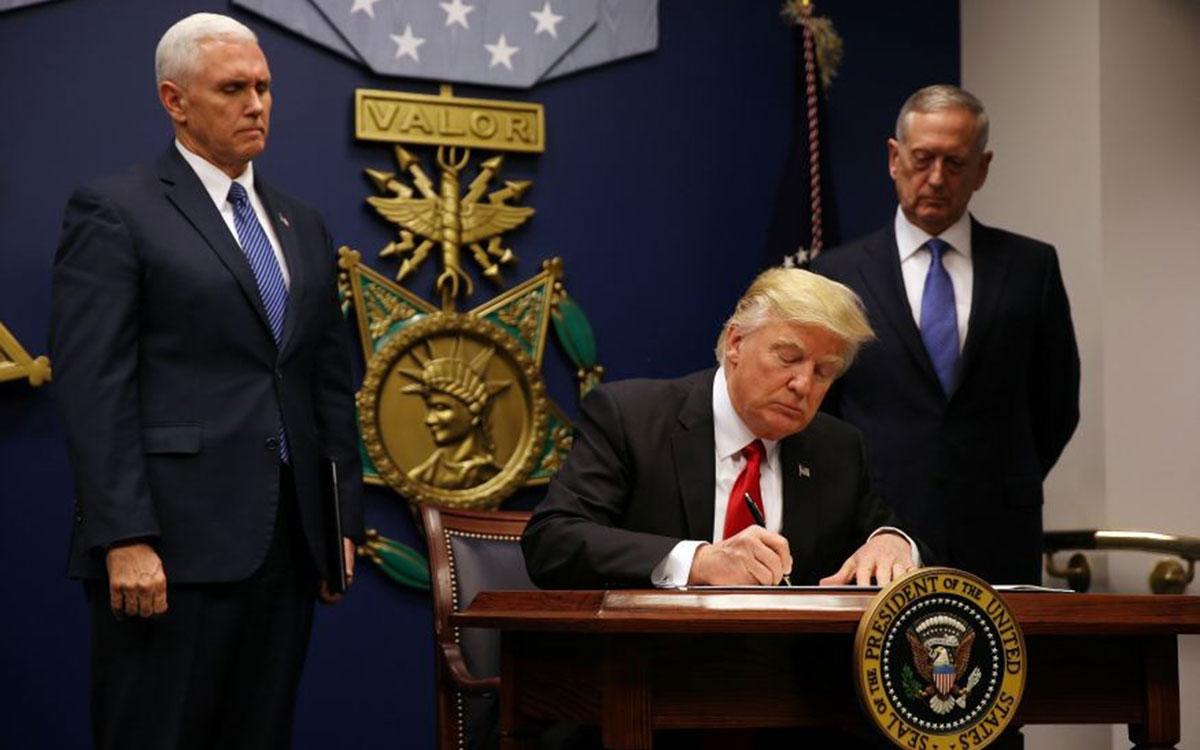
point(657, 188)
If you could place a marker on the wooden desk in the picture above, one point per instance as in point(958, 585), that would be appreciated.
point(636, 661)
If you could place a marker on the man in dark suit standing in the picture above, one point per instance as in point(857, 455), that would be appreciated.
point(972, 390)
point(202, 369)
point(726, 476)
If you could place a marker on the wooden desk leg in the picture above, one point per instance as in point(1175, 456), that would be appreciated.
point(626, 722)
point(516, 732)
point(1160, 659)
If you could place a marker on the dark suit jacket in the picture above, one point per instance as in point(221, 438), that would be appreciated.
point(171, 385)
point(641, 475)
point(967, 470)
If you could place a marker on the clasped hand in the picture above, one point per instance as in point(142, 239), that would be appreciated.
point(756, 556)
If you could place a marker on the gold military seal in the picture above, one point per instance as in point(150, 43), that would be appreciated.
point(939, 661)
point(452, 412)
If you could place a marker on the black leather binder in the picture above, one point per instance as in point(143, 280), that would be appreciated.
point(334, 557)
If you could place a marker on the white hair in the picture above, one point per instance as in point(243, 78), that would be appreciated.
point(178, 51)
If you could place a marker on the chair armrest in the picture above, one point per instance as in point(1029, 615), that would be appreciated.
point(462, 677)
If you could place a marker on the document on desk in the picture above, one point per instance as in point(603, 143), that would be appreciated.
point(1021, 588)
point(781, 588)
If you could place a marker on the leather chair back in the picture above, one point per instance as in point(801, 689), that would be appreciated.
point(470, 551)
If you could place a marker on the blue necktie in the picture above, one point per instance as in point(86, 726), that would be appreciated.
point(939, 319)
point(267, 275)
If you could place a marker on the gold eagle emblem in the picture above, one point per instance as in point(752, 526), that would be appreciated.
point(441, 216)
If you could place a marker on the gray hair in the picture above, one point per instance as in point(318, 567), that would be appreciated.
point(941, 97)
point(178, 51)
point(794, 296)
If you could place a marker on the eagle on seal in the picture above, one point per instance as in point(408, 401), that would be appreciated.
point(943, 669)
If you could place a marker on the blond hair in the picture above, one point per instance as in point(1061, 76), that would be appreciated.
point(791, 295)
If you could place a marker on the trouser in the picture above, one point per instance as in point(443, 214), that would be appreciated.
point(220, 669)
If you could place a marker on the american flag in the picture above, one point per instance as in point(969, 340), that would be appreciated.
point(805, 220)
point(511, 43)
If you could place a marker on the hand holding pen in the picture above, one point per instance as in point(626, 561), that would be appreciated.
point(753, 556)
point(757, 515)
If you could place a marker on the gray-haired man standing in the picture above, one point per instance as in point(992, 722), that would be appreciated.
point(972, 391)
point(203, 374)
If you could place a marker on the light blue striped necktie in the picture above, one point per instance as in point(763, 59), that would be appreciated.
point(267, 275)
point(939, 318)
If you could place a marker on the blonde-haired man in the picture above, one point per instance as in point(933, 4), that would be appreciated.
point(726, 476)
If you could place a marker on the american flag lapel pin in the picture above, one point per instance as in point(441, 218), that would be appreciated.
point(804, 472)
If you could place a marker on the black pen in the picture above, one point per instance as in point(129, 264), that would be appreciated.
point(757, 515)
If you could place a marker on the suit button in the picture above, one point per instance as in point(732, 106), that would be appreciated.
point(272, 443)
point(79, 518)
point(279, 374)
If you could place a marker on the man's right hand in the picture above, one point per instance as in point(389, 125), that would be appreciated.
point(752, 556)
point(137, 584)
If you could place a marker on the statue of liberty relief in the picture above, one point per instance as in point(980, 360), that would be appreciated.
point(457, 401)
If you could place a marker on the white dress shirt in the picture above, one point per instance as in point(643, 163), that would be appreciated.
point(915, 259)
point(216, 183)
point(730, 436)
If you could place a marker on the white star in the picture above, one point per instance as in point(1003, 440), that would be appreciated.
point(364, 5)
point(456, 12)
point(407, 44)
point(501, 53)
point(547, 20)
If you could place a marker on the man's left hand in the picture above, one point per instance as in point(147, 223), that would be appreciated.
point(884, 557)
point(328, 596)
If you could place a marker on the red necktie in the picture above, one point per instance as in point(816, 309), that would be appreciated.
point(737, 515)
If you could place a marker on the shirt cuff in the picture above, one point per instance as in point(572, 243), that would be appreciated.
point(674, 569)
point(916, 555)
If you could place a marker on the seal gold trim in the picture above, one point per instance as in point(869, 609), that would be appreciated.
point(940, 661)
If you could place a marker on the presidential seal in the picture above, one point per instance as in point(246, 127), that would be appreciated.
point(480, 402)
point(939, 661)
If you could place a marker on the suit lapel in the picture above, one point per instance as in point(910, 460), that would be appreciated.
point(802, 512)
point(290, 243)
point(989, 264)
point(185, 191)
point(692, 450)
point(880, 271)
